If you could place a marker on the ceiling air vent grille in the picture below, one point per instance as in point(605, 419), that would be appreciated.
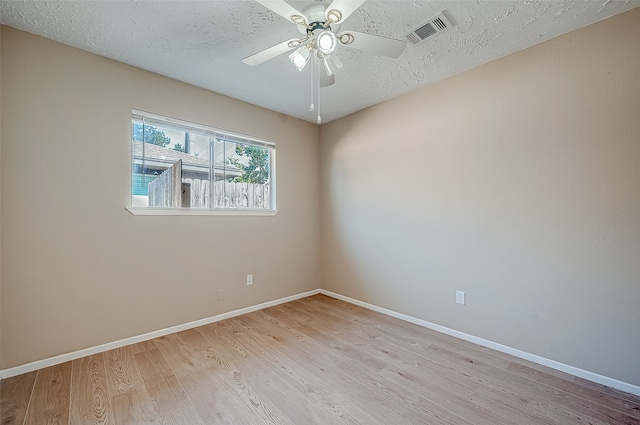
point(433, 26)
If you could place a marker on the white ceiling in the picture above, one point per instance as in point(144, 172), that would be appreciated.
point(203, 42)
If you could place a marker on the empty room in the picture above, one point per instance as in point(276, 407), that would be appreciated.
point(320, 212)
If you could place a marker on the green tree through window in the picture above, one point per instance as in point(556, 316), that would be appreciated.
point(150, 134)
point(178, 147)
point(257, 170)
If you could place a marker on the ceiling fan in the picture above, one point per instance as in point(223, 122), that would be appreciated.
point(320, 26)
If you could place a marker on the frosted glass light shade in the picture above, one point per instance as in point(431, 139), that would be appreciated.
point(300, 57)
point(332, 64)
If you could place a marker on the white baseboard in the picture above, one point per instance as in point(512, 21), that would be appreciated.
point(39, 364)
point(594, 377)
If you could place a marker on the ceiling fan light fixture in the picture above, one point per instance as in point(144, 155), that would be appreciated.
point(300, 57)
point(332, 64)
point(326, 42)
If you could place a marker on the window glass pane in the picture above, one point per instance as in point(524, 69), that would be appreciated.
point(246, 182)
point(155, 150)
point(180, 164)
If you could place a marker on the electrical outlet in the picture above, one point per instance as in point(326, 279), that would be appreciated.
point(460, 297)
point(220, 294)
point(249, 279)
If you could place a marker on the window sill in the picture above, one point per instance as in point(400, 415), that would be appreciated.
point(194, 211)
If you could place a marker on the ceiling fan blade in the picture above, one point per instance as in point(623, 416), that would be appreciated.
point(384, 46)
point(268, 53)
point(346, 7)
point(326, 80)
point(283, 9)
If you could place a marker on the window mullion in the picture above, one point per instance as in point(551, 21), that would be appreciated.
point(212, 172)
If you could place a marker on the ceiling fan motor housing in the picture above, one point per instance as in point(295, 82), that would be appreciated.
point(315, 15)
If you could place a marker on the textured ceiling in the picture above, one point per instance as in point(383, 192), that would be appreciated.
point(203, 42)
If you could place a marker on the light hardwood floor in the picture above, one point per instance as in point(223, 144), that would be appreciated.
point(312, 361)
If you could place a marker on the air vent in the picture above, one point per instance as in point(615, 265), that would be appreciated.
point(432, 27)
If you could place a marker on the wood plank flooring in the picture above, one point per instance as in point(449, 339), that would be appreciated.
point(312, 361)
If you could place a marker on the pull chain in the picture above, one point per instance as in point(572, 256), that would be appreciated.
point(313, 66)
point(318, 78)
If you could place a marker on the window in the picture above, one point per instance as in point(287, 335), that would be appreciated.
point(186, 166)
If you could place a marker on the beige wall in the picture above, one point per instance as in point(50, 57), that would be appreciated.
point(517, 182)
point(78, 270)
point(0, 200)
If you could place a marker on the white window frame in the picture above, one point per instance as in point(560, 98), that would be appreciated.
point(167, 122)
